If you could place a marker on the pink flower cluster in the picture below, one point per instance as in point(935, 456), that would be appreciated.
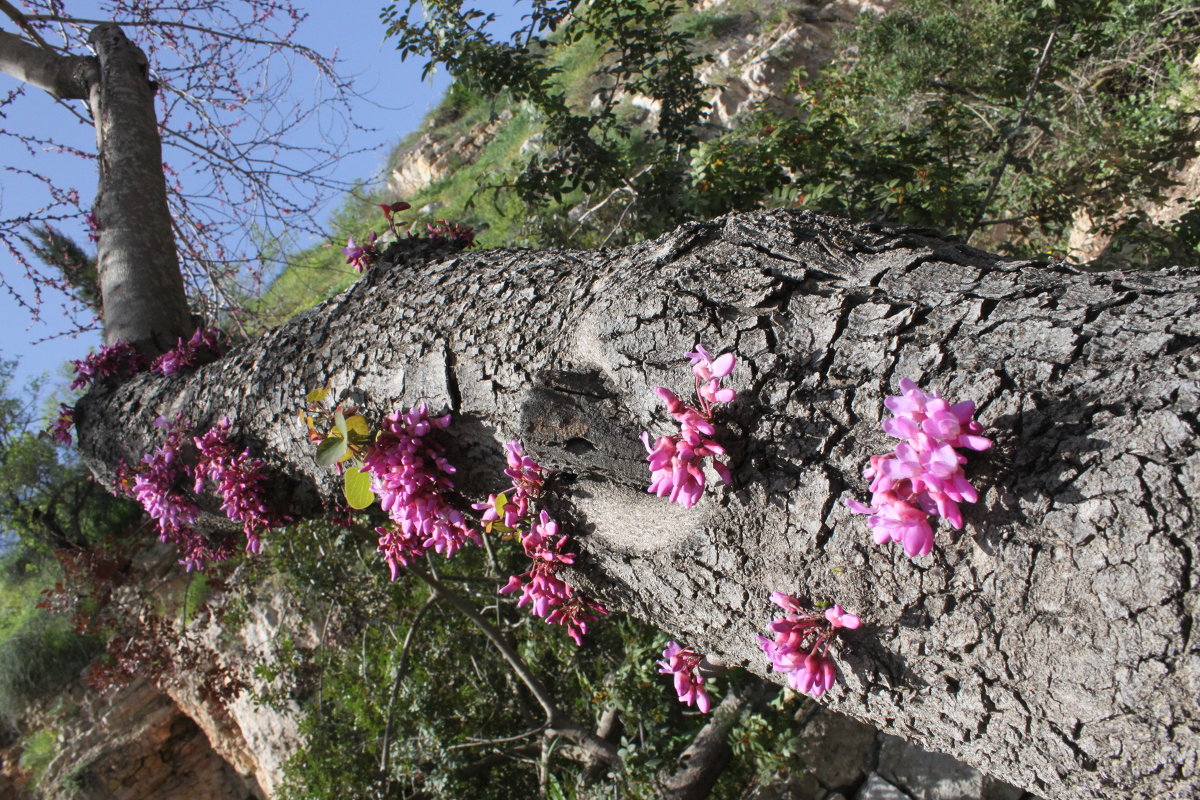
point(119, 358)
point(444, 230)
point(800, 648)
point(684, 663)
point(528, 480)
point(676, 462)
point(60, 431)
point(202, 348)
point(361, 256)
point(923, 476)
point(410, 475)
point(550, 597)
point(155, 487)
point(240, 482)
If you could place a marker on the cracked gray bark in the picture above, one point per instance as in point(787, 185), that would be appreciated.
point(1049, 643)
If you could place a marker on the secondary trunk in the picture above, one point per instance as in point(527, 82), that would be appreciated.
point(1049, 644)
point(140, 282)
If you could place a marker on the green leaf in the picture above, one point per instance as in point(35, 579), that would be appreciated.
point(357, 488)
point(316, 395)
point(332, 450)
point(339, 422)
point(360, 431)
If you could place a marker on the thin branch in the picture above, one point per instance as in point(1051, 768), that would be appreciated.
point(556, 721)
point(486, 742)
point(309, 54)
point(401, 667)
point(22, 20)
point(1012, 136)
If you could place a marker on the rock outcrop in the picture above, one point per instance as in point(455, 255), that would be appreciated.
point(138, 744)
point(751, 65)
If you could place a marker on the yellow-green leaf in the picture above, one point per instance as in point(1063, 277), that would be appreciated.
point(358, 424)
point(357, 488)
point(316, 395)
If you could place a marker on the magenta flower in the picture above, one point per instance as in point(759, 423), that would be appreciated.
point(443, 230)
point(361, 256)
point(528, 480)
point(60, 430)
point(923, 475)
point(240, 482)
point(202, 348)
point(683, 664)
point(547, 595)
point(677, 462)
point(800, 646)
point(117, 359)
point(410, 475)
point(155, 486)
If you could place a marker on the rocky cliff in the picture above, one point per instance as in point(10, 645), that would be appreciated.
point(751, 64)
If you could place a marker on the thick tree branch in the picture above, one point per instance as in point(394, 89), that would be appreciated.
point(64, 77)
point(1050, 643)
point(140, 281)
point(702, 763)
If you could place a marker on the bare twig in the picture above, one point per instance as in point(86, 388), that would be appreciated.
point(1012, 136)
point(401, 666)
point(556, 721)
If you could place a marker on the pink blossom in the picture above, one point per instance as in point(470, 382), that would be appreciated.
point(547, 595)
point(840, 618)
point(923, 475)
point(117, 359)
point(155, 486)
point(201, 348)
point(683, 664)
point(240, 482)
point(361, 256)
point(528, 481)
point(801, 641)
point(411, 476)
point(60, 430)
point(443, 230)
point(677, 462)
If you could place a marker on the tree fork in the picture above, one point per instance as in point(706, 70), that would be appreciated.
point(1050, 643)
point(140, 281)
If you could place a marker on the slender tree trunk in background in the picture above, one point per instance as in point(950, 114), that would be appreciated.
point(140, 281)
point(1049, 644)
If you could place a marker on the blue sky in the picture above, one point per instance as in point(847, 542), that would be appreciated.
point(351, 27)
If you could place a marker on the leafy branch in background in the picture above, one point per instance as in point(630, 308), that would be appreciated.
point(589, 146)
point(966, 116)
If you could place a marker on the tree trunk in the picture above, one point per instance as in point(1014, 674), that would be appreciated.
point(140, 282)
point(1048, 644)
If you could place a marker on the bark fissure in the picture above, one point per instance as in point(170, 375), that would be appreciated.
point(1047, 644)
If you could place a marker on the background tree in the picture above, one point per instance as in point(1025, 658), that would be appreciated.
point(215, 75)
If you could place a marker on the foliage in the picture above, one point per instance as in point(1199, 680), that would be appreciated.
point(37, 751)
point(47, 499)
point(38, 659)
point(965, 115)
point(939, 113)
point(588, 146)
point(461, 724)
